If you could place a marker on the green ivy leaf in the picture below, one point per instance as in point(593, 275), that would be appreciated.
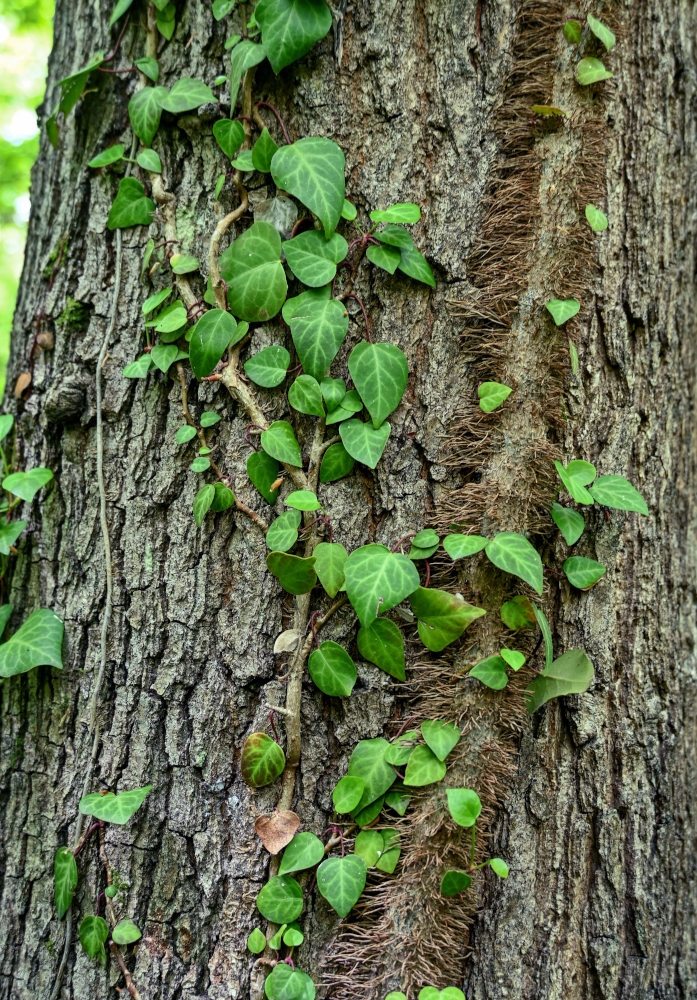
point(293, 937)
point(387, 258)
point(332, 670)
point(114, 808)
point(499, 867)
point(155, 300)
point(223, 499)
point(441, 737)
point(210, 338)
point(280, 900)
point(333, 391)
point(295, 574)
point(364, 442)
point(301, 304)
point(513, 657)
point(492, 395)
point(491, 672)
point(209, 418)
point(164, 355)
point(454, 881)
point(514, 554)
point(64, 880)
point(396, 236)
point(93, 933)
point(318, 332)
point(170, 319)
point(414, 265)
point(229, 135)
point(289, 28)
point(283, 532)
point(148, 159)
point(562, 310)
point(601, 31)
point(402, 212)
point(424, 544)
point(9, 533)
point(304, 851)
point(202, 502)
point(303, 500)
point(596, 219)
point(368, 763)
point(572, 31)
point(125, 932)
point(268, 368)
point(279, 442)
point(379, 372)
point(518, 613)
point(145, 111)
point(349, 211)
point(6, 423)
point(368, 846)
point(397, 801)
point(36, 643)
point(256, 942)
point(460, 546)
point(138, 368)
point(382, 643)
point(305, 396)
point(391, 850)
point(442, 616)
point(313, 259)
point(149, 67)
point(569, 522)
point(186, 94)
point(262, 152)
point(221, 8)
point(181, 263)
point(377, 580)
point(120, 8)
point(348, 793)
point(27, 484)
point(312, 170)
point(252, 269)
point(284, 983)
point(244, 55)
point(575, 478)
point(336, 463)
point(263, 470)
point(350, 405)
point(583, 573)
point(330, 562)
point(464, 806)
point(341, 881)
point(617, 492)
point(131, 206)
point(423, 768)
point(262, 760)
point(546, 631)
point(591, 71)
point(571, 673)
point(111, 155)
point(367, 816)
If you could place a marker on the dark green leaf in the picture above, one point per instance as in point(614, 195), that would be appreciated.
point(262, 152)
point(289, 28)
point(454, 881)
point(312, 170)
point(443, 616)
point(379, 372)
point(268, 368)
point(333, 391)
point(36, 643)
point(304, 851)
point(131, 206)
point(513, 553)
point(313, 259)
point(377, 580)
point(396, 236)
point(397, 801)
point(305, 396)
point(336, 463)
point(415, 265)
point(93, 933)
point(64, 880)
point(262, 761)
point(341, 881)
point(572, 31)
point(210, 338)
point(202, 502)
point(223, 499)
point(582, 572)
point(441, 737)
point(280, 442)
point(229, 135)
point(571, 673)
point(252, 269)
point(348, 793)
point(382, 643)
point(263, 470)
point(332, 670)
point(491, 672)
point(145, 111)
point(295, 574)
point(367, 816)
point(569, 522)
point(388, 258)
point(281, 900)
point(164, 355)
point(110, 155)
point(318, 332)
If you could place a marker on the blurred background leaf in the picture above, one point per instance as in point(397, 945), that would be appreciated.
point(25, 41)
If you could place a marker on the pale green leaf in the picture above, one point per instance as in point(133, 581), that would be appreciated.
point(36, 643)
point(583, 573)
point(341, 881)
point(364, 442)
point(491, 395)
point(618, 492)
point(114, 808)
point(513, 553)
point(464, 806)
point(562, 310)
point(571, 673)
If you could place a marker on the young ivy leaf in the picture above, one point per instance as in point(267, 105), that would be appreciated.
point(185, 433)
point(268, 368)
point(618, 492)
point(64, 880)
point(285, 982)
point(304, 851)
point(518, 613)
point(364, 442)
point(252, 269)
point(244, 55)
point(492, 395)
point(126, 932)
point(424, 768)
point(442, 616)
point(313, 259)
point(283, 532)
point(591, 71)
point(569, 522)
point(111, 155)
point(441, 737)
point(36, 643)
point(279, 441)
point(596, 219)
point(262, 761)
point(583, 573)
point(513, 657)
point(464, 806)
point(575, 478)
point(332, 670)
point(379, 372)
point(295, 573)
point(210, 338)
point(492, 672)
point(572, 31)
point(514, 554)
point(27, 484)
point(454, 881)
point(305, 396)
point(186, 94)
point(120, 8)
point(148, 159)
point(341, 881)
point(229, 135)
point(145, 111)
point(499, 867)
point(202, 502)
point(256, 942)
point(368, 763)
point(562, 310)
point(281, 900)
point(330, 561)
point(149, 67)
point(318, 331)
point(312, 170)
point(601, 31)
point(93, 933)
point(9, 533)
point(348, 793)
point(289, 28)
point(349, 211)
point(131, 206)
point(571, 673)
point(414, 265)
point(388, 258)
point(377, 580)
point(401, 212)
point(460, 546)
point(114, 808)
point(262, 152)
point(303, 500)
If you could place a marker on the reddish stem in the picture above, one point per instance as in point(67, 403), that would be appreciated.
point(305, 218)
point(428, 573)
point(365, 316)
point(112, 54)
point(272, 723)
point(95, 826)
point(396, 545)
point(265, 104)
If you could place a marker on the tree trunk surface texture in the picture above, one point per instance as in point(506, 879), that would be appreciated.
point(591, 800)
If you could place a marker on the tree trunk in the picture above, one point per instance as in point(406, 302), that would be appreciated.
point(590, 801)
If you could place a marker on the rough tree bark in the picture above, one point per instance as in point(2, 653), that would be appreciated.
point(594, 808)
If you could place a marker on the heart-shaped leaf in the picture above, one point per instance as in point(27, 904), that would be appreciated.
point(304, 851)
point(111, 155)
point(253, 272)
point(148, 66)
point(286, 983)
point(64, 880)
point(368, 763)
point(364, 442)
point(368, 846)
point(27, 484)
point(262, 152)
point(138, 368)
point(210, 338)
point(145, 111)
point(333, 391)
point(454, 881)
point(513, 657)
point(93, 933)
point(518, 613)
point(582, 572)
point(9, 533)
point(164, 355)
point(279, 442)
point(377, 580)
point(571, 673)
point(382, 643)
point(460, 546)
point(262, 470)
point(388, 258)
point(336, 463)
point(312, 170)
point(289, 28)
point(332, 670)
point(401, 212)
point(491, 672)
point(596, 219)
point(379, 372)
point(36, 643)
point(268, 368)
point(562, 310)
point(114, 808)
point(186, 94)
point(318, 331)
point(262, 760)
point(283, 532)
point(441, 737)
point(513, 553)
point(280, 900)
point(244, 55)
point(464, 806)
point(443, 616)
point(202, 502)
point(414, 265)
point(341, 881)
point(305, 396)
point(491, 395)
point(348, 793)
point(575, 479)
point(229, 135)
point(617, 492)
point(256, 942)
point(148, 159)
point(303, 500)
point(330, 562)
point(131, 206)
point(423, 768)
point(569, 522)
point(295, 574)
point(313, 259)
point(591, 70)
point(126, 932)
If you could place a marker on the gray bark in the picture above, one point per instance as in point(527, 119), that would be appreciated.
point(595, 813)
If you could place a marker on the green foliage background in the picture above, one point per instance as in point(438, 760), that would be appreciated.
point(25, 42)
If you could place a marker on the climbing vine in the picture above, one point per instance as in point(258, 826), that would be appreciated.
point(294, 267)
